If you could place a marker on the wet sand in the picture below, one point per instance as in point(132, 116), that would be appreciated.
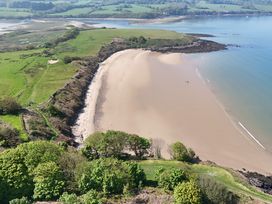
point(163, 97)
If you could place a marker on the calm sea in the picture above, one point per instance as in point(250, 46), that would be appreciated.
point(241, 77)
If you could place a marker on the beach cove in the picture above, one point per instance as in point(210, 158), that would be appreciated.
point(163, 97)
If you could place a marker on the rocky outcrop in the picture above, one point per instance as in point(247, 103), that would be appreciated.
point(260, 181)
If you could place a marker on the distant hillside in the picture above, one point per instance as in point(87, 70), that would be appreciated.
point(130, 8)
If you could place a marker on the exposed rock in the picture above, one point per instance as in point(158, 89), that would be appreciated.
point(260, 181)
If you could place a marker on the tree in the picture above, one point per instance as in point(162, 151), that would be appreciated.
point(93, 146)
point(138, 145)
point(114, 144)
point(15, 175)
point(168, 179)
point(9, 105)
point(49, 181)
point(187, 193)
point(179, 152)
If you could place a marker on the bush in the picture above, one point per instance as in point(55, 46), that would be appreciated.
point(187, 193)
point(18, 165)
point(91, 197)
point(109, 176)
point(49, 181)
point(216, 193)
point(180, 153)
point(9, 105)
point(9, 137)
point(168, 179)
point(22, 200)
point(67, 198)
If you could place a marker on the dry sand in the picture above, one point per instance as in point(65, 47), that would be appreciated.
point(162, 96)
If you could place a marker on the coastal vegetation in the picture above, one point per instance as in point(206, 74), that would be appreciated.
point(47, 171)
point(129, 9)
point(42, 87)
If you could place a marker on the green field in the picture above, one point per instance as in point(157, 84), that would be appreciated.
point(231, 181)
point(15, 122)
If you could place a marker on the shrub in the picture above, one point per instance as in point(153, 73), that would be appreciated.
point(109, 176)
point(168, 179)
point(22, 200)
point(9, 137)
point(17, 166)
point(216, 193)
point(91, 197)
point(179, 152)
point(69, 59)
point(67, 198)
point(187, 193)
point(49, 181)
point(9, 105)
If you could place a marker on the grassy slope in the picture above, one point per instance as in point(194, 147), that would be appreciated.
point(15, 121)
point(231, 181)
point(32, 80)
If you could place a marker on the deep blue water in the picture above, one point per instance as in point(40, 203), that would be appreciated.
point(241, 77)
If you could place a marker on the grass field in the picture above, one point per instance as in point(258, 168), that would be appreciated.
point(221, 175)
point(15, 122)
point(89, 42)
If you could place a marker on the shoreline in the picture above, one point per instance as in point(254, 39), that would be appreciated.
point(191, 142)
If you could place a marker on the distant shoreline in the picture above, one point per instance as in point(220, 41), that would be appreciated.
point(162, 19)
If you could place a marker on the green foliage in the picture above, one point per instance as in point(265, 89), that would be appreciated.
point(109, 176)
point(67, 198)
point(9, 105)
point(17, 166)
point(180, 153)
point(215, 192)
point(187, 193)
point(68, 162)
point(91, 197)
point(114, 144)
point(168, 179)
point(49, 181)
point(139, 145)
point(22, 200)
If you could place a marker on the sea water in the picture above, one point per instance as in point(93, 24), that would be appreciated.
point(241, 77)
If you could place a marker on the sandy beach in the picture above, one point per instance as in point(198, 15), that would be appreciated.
point(163, 97)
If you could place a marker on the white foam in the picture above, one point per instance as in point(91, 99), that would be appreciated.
point(249, 133)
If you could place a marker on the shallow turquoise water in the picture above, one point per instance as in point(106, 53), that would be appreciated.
point(241, 77)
